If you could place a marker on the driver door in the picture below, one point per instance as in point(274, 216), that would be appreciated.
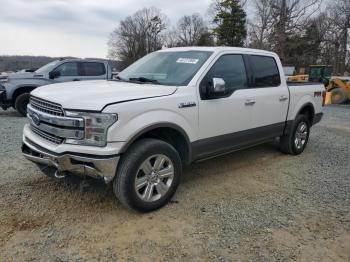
point(225, 120)
point(68, 71)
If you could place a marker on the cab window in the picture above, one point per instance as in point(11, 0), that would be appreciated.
point(265, 71)
point(68, 69)
point(93, 69)
point(231, 69)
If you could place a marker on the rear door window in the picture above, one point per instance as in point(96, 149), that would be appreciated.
point(93, 69)
point(265, 71)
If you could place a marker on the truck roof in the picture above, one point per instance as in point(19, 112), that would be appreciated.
point(217, 49)
point(83, 59)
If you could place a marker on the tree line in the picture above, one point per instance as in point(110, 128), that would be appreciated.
point(301, 32)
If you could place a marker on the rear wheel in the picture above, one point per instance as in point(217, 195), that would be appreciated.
point(338, 96)
point(295, 142)
point(148, 175)
point(21, 103)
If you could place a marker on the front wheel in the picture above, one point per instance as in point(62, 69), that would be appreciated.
point(148, 175)
point(295, 142)
point(21, 103)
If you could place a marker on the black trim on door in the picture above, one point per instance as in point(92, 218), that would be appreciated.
point(210, 147)
point(249, 71)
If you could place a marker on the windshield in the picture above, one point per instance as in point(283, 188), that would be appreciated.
point(166, 68)
point(46, 68)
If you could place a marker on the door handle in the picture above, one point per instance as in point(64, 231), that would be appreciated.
point(76, 79)
point(283, 98)
point(249, 102)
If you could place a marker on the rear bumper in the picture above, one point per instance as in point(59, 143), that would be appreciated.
point(317, 118)
point(103, 167)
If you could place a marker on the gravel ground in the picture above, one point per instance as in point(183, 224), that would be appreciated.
point(254, 205)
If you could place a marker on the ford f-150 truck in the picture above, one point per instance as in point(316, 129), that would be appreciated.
point(170, 108)
point(15, 88)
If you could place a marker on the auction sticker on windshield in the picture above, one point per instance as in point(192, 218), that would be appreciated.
point(187, 60)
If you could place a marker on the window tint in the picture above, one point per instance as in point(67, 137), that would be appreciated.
point(230, 68)
point(68, 69)
point(93, 69)
point(265, 71)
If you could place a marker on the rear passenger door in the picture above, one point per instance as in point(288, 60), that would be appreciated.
point(93, 70)
point(271, 97)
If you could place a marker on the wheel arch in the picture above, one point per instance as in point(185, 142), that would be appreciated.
point(168, 132)
point(21, 90)
point(307, 109)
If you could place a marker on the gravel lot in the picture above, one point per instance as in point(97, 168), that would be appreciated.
point(256, 204)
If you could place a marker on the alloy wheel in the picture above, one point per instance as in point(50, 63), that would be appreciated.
point(154, 178)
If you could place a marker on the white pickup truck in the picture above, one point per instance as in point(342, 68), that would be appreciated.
point(168, 109)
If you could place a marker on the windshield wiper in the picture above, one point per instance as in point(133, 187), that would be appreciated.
point(144, 80)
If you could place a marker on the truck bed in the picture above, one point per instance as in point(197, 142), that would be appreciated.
point(302, 83)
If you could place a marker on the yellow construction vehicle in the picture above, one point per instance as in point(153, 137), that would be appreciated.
point(339, 89)
point(298, 78)
point(317, 73)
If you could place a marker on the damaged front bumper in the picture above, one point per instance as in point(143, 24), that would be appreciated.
point(101, 167)
point(4, 102)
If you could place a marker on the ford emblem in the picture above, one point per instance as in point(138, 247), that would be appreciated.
point(36, 119)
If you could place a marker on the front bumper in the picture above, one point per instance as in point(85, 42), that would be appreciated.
point(103, 167)
point(4, 103)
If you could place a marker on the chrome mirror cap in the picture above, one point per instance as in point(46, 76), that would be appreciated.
point(219, 85)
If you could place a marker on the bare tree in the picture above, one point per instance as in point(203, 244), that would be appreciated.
point(190, 29)
point(260, 27)
point(171, 38)
point(137, 35)
point(288, 18)
point(340, 21)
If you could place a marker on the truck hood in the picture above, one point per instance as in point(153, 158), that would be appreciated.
point(20, 75)
point(95, 95)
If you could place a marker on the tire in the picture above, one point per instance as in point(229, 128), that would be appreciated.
point(295, 142)
point(136, 168)
point(21, 103)
point(338, 96)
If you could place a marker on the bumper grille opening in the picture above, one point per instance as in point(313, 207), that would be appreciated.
point(52, 138)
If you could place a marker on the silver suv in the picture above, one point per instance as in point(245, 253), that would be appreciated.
point(15, 88)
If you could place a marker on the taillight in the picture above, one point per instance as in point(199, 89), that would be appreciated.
point(323, 98)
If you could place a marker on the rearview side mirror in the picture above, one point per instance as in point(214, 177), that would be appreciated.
point(219, 85)
point(54, 74)
point(215, 88)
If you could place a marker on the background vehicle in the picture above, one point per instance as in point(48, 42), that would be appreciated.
point(339, 88)
point(317, 73)
point(15, 88)
point(168, 109)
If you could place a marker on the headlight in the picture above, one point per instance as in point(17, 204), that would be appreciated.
point(95, 126)
point(4, 79)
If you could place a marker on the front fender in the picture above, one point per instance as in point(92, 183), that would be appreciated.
point(126, 130)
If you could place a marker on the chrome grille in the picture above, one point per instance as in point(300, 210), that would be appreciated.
point(46, 106)
point(52, 138)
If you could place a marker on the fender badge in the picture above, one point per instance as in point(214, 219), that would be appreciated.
point(187, 104)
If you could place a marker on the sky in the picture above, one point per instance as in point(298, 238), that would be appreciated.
point(77, 28)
